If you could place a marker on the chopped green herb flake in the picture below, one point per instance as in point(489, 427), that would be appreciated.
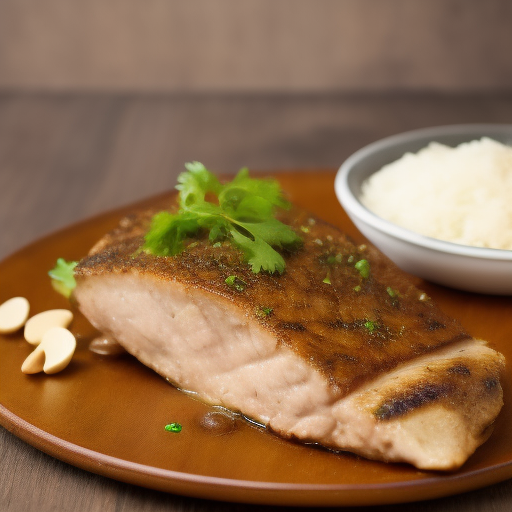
point(364, 268)
point(236, 283)
point(304, 229)
point(371, 326)
point(62, 275)
point(264, 312)
point(173, 427)
point(350, 259)
point(242, 211)
point(391, 292)
point(327, 279)
point(357, 288)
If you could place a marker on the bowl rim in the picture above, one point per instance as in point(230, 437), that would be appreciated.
point(353, 205)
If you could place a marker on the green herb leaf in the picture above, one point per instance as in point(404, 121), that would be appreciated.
point(167, 232)
point(62, 275)
point(273, 232)
point(196, 183)
point(244, 186)
point(264, 312)
point(371, 326)
point(392, 293)
point(258, 253)
point(363, 267)
point(173, 427)
point(236, 283)
point(241, 211)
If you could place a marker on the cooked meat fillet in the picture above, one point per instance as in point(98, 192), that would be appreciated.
point(323, 353)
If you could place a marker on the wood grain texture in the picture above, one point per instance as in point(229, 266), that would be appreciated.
point(255, 45)
point(65, 157)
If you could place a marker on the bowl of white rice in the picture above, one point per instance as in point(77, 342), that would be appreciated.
point(438, 202)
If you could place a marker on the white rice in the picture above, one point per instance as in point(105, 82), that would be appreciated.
point(462, 195)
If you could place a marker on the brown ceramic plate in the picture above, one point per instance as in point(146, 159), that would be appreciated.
point(107, 415)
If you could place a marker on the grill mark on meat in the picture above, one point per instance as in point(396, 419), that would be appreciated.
point(456, 383)
point(491, 384)
point(460, 369)
point(412, 400)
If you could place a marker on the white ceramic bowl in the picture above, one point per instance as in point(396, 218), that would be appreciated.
point(467, 268)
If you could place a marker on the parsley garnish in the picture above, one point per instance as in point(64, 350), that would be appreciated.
point(266, 311)
point(241, 211)
point(363, 267)
point(236, 283)
point(392, 293)
point(371, 326)
point(173, 427)
point(63, 279)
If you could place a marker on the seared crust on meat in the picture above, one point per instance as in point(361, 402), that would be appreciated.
point(325, 353)
point(348, 327)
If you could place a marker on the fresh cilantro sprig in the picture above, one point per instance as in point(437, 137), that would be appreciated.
point(241, 211)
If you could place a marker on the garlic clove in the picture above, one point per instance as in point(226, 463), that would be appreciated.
point(53, 354)
point(39, 324)
point(13, 314)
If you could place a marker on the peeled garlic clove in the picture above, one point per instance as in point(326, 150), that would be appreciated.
point(34, 363)
point(36, 327)
point(53, 354)
point(13, 314)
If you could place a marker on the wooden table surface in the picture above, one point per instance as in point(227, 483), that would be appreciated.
point(67, 157)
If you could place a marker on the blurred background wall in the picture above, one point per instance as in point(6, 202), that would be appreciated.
point(103, 101)
point(256, 45)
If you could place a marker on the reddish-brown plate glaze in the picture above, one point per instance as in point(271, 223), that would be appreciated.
point(107, 415)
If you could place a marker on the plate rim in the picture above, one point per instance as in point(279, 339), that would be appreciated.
point(246, 491)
